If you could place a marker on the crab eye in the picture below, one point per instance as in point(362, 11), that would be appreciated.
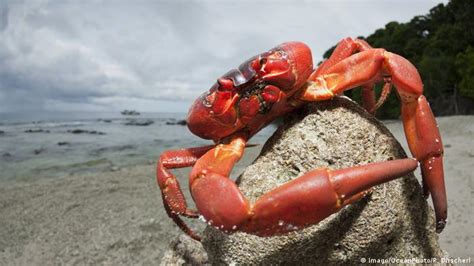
point(262, 61)
point(225, 84)
point(208, 100)
point(256, 64)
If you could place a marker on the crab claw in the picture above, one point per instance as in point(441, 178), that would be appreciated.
point(287, 65)
point(249, 107)
point(213, 115)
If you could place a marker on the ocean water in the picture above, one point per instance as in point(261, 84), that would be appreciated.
point(53, 150)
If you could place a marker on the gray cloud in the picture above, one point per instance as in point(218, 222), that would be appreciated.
point(148, 55)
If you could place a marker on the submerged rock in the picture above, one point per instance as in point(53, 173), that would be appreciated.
point(394, 221)
point(83, 131)
point(177, 122)
point(39, 151)
point(129, 112)
point(36, 130)
point(136, 122)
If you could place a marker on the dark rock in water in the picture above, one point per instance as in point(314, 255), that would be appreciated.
point(36, 130)
point(62, 143)
point(38, 151)
point(104, 120)
point(179, 122)
point(6, 155)
point(129, 112)
point(82, 131)
point(2, 132)
point(136, 122)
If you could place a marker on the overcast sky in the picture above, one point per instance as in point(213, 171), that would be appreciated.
point(159, 55)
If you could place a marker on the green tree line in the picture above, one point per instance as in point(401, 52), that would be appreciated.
point(441, 45)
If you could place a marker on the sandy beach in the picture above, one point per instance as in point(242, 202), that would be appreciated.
point(116, 216)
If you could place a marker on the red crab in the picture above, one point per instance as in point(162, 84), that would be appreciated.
point(276, 82)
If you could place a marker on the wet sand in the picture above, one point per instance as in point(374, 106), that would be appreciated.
point(116, 217)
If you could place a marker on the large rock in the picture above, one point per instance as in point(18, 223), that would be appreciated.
point(394, 221)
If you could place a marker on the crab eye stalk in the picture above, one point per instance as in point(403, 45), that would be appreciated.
point(225, 84)
point(258, 63)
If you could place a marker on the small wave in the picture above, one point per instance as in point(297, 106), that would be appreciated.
point(49, 124)
point(66, 124)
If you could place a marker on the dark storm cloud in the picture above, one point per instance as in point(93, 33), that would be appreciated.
point(102, 55)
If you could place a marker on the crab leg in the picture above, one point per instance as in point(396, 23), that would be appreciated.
point(343, 50)
point(425, 144)
point(419, 123)
point(296, 204)
point(173, 197)
point(317, 194)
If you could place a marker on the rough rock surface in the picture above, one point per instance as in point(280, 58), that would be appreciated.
point(184, 250)
point(393, 221)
